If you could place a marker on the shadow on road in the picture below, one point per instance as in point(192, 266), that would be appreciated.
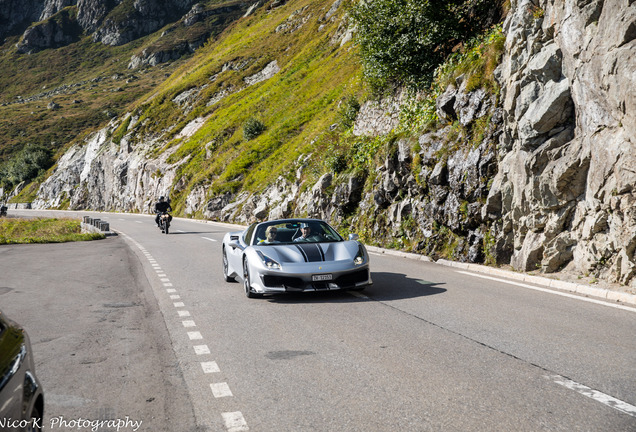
point(386, 286)
point(394, 286)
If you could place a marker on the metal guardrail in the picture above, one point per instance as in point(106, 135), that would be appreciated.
point(96, 225)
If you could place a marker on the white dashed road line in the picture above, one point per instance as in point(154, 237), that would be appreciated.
point(210, 367)
point(234, 421)
point(201, 349)
point(195, 335)
point(209, 239)
point(595, 394)
point(220, 390)
point(565, 382)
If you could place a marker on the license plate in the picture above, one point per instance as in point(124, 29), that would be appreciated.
point(322, 277)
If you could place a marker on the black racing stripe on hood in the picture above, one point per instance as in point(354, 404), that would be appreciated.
point(311, 252)
point(302, 252)
point(322, 252)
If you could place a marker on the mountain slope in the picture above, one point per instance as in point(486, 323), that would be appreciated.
point(282, 66)
point(72, 82)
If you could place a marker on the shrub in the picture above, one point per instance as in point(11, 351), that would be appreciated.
point(348, 112)
point(252, 128)
point(337, 163)
point(477, 61)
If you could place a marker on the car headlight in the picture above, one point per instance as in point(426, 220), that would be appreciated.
point(359, 259)
point(268, 262)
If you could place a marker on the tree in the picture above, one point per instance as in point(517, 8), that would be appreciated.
point(30, 162)
point(403, 41)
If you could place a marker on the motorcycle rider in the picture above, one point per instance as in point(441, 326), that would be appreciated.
point(162, 206)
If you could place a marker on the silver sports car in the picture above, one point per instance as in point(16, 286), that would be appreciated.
point(294, 255)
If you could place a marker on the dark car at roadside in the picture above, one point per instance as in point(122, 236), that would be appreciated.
point(21, 396)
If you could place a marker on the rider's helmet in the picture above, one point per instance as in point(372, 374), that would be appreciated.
point(161, 199)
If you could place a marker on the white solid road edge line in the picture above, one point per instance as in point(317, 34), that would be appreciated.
point(578, 288)
point(551, 291)
point(598, 396)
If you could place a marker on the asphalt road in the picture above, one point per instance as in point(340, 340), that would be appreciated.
point(143, 325)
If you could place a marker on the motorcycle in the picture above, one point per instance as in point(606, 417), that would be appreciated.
point(164, 222)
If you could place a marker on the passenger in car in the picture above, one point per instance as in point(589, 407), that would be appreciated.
point(270, 234)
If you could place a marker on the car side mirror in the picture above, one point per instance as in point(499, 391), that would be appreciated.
point(234, 245)
point(354, 237)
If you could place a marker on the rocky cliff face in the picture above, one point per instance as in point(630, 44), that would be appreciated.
point(548, 186)
point(564, 195)
point(17, 15)
point(50, 33)
point(197, 15)
point(128, 23)
point(111, 22)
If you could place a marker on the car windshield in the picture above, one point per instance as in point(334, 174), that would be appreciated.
point(287, 232)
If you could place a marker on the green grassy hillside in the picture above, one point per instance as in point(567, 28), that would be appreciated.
point(90, 85)
point(297, 106)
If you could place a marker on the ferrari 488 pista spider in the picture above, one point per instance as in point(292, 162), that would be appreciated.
point(294, 255)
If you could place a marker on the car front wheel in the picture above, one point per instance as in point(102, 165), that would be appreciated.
point(36, 418)
point(246, 280)
point(226, 267)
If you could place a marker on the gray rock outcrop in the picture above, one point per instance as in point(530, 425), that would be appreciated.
point(17, 15)
point(111, 22)
point(145, 17)
point(50, 33)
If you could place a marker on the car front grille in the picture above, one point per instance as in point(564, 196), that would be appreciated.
point(351, 279)
point(283, 281)
point(345, 281)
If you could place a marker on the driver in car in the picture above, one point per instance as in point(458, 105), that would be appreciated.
point(306, 234)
